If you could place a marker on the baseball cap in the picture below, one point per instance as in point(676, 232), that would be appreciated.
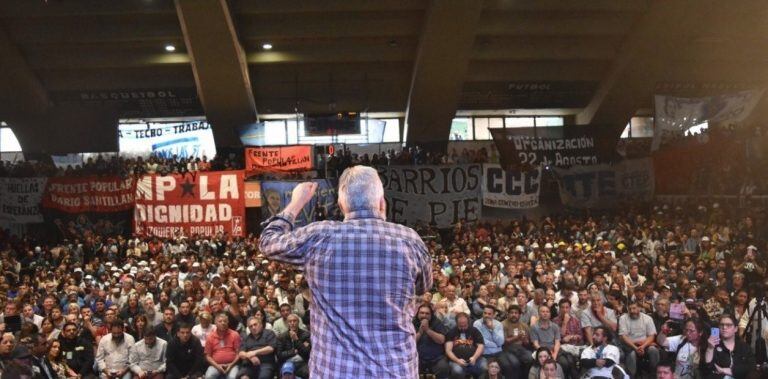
point(288, 368)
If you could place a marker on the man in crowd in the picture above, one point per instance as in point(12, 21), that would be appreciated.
point(638, 337)
point(76, 350)
point(464, 348)
point(517, 340)
point(113, 353)
point(167, 329)
point(493, 339)
point(597, 315)
point(294, 346)
point(221, 350)
point(430, 339)
point(257, 351)
point(184, 355)
point(147, 357)
point(601, 359)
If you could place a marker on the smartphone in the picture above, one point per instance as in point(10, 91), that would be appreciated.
point(715, 332)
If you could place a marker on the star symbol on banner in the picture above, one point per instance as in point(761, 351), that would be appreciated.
point(187, 188)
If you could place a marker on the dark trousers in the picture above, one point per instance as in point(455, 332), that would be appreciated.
point(439, 367)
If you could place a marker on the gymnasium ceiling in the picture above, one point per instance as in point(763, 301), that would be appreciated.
point(599, 61)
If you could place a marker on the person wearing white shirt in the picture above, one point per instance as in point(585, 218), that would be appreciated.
point(455, 304)
point(602, 359)
point(112, 355)
point(147, 357)
point(204, 328)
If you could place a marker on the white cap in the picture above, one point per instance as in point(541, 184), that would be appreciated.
point(535, 245)
point(196, 264)
point(486, 248)
point(127, 267)
point(548, 245)
point(78, 269)
point(705, 239)
point(174, 265)
point(752, 247)
point(519, 248)
point(183, 260)
point(251, 268)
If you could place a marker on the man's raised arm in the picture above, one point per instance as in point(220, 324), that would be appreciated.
point(278, 240)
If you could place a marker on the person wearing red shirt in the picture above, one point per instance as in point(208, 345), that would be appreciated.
point(221, 350)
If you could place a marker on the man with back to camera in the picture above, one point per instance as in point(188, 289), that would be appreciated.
point(365, 276)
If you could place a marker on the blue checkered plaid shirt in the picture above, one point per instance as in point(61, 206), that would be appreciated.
point(366, 276)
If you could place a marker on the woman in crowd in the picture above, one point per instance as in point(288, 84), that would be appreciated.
point(56, 362)
point(687, 348)
point(48, 330)
point(137, 327)
point(541, 357)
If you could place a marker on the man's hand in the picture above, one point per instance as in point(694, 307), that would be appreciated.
point(301, 196)
point(294, 336)
point(424, 325)
point(600, 362)
point(255, 360)
point(472, 360)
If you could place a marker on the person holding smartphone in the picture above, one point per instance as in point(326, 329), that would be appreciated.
point(727, 357)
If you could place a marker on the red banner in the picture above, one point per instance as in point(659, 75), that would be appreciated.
point(89, 194)
point(278, 159)
point(202, 203)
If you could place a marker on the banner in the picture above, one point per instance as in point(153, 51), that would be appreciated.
point(675, 115)
point(200, 203)
point(439, 195)
point(20, 199)
point(165, 139)
point(62, 161)
point(277, 194)
point(278, 159)
point(526, 148)
point(604, 186)
point(89, 194)
point(252, 194)
point(510, 189)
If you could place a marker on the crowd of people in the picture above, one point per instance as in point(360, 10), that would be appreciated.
point(114, 164)
point(624, 294)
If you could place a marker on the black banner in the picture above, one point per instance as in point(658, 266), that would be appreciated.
point(527, 148)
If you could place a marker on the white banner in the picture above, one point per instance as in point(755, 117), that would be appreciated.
point(20, 199)
point(166, 139)
point(510, 189)
point(603, 186)
point(675, 115)
point(439, 195)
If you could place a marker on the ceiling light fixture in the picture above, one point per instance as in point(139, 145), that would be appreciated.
point(170, 48)
point(267, 46)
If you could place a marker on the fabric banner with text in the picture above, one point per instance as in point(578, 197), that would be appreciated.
point(201, 203)
point(277, 194)
point(604, 186)
point(278, 159)
point(438, 195)
point(89, 194)
point(510, 189)
point(20, 200)
point(527, 148)
point(675, 115)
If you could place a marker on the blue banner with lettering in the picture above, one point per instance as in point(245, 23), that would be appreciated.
point(276, 195)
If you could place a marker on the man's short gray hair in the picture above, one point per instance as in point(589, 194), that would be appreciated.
point(360, 188)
